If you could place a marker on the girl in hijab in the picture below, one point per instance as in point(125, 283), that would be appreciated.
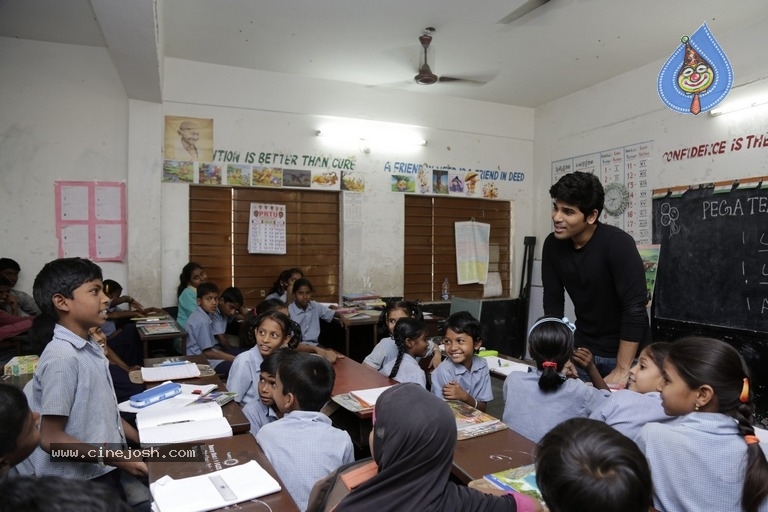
point(414, 454)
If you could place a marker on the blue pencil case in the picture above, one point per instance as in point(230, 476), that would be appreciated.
point(156, 394)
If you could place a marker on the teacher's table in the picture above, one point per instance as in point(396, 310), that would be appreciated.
point(353, 376)
point(220, 454)
point(490, 453)
point(147, 338)
point(231, 410)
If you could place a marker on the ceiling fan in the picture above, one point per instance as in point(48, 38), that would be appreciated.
point(427, 77)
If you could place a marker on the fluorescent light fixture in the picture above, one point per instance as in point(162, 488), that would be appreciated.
point(372, 135)
point(735, 106)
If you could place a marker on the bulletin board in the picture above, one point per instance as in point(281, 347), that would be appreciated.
point(90, 219)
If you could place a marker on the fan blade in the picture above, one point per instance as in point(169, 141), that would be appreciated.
point(521, 11)
point(462, 81)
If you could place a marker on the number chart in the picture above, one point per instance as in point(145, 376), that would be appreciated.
point(624, 172)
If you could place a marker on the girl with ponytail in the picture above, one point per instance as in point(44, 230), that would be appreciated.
point(410, 337)
point(553, 396)
point(710, 459)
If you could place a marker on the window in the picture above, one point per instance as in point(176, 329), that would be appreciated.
point(430, 243)
point(218, 239)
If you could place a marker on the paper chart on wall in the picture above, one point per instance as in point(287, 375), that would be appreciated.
point(472, 252)
point(266, 229)
point(627, 170)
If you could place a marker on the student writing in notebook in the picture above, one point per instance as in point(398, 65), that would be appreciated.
point(463, 375)
point(201, 339)
point(303, 446)
point(72, 388)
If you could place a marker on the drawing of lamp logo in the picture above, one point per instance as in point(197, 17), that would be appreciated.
point(696, 75)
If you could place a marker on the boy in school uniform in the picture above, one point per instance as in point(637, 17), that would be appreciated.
point(200, 328)
point(10, 325)
point(18, 302)
point(303, 446)
point(230, 309)
point(72, 387)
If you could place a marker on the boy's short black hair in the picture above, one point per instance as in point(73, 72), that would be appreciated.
point(233, 295)
point(204, 289)
point(583, 464)
point(271, 363)
point(462, 322)
point(302, 281)
point(62, 276)
point(8, 263)
point(268, 305)
point(310, 378)
point(14, 410)
point(581, 189)
point(59, 494)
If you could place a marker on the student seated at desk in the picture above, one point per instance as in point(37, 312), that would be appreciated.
point(11, 325)
point(583, 464)
point(535, 402)
point(463, 375)
point(282, 289)
point(412, 443)
point(303, 446)
point(263, 410)
point(711, 459)
point(308, 313)
point(411, 339)
point(271, 331)
point(18, 302)
point(19, 430)
point(385, 350)
point(627, 410)
point(201, 339)
point(230, 310)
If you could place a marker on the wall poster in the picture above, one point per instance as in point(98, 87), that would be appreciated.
point(266, 231)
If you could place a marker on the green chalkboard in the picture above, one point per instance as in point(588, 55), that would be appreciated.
point(713, 263)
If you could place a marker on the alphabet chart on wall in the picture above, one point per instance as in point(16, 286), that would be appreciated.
point(624, 173)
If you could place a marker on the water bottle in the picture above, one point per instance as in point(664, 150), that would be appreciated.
point(445, 294)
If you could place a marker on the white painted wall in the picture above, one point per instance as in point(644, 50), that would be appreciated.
point(63, 115)
point(627, 109)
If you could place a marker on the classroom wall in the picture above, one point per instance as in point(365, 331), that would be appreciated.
point(626, 110)
point(265, 112)
point(63, 115)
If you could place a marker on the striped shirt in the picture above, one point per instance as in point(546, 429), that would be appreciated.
point(72, 379)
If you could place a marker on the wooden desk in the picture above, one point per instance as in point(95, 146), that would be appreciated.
point(231, 411)
point(242, 448)
point(351, 376)
point(146, 338)
point(490, 453)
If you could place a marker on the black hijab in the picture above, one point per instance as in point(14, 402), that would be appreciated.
point(413, 444)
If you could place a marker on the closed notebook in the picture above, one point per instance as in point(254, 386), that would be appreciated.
point(182, 424)
point(215, 490)
point(172, 372)
point(471, 422)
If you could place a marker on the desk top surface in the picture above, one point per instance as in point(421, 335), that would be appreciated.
point(231, 411)
point(182, 333)
point(240, 448)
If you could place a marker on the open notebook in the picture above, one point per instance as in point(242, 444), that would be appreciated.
point(214, 490)
point(505, 366)
point(182, 424)
point(368, 397)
